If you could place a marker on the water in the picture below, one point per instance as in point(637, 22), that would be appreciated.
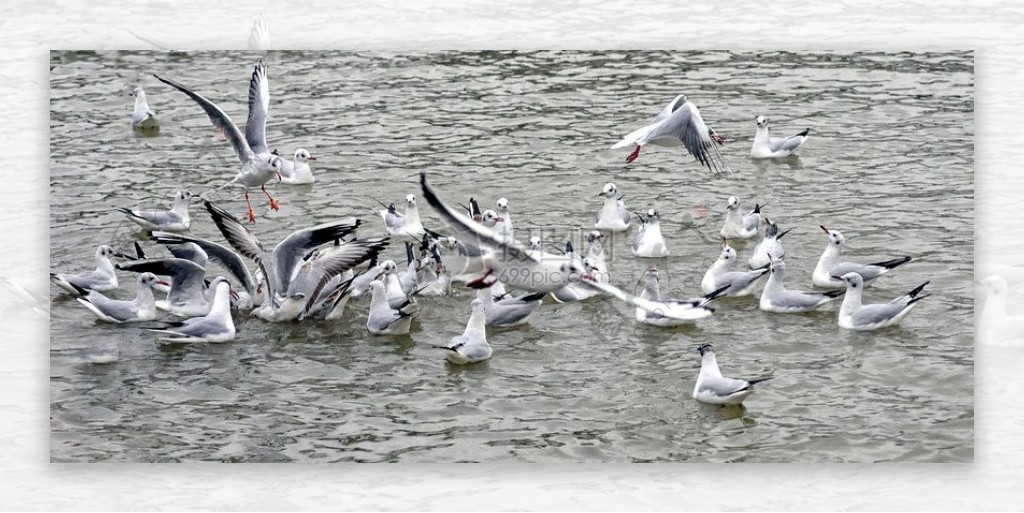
point(889, 163)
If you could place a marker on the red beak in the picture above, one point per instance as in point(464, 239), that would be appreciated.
point(311, 158)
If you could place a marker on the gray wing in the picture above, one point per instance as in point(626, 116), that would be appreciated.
point(259, 107)
point(120, 310)
point(186, 276)
point(289, 253)
point(199, 327)
point(228, 259)
point(722, 386)
point(156, 218)
point(87, 280)
point(667, 110)
point(471, 233)
point(240, 238)
point(750, 221)
point(189, 251)
point(623, 212)
point(393, 220)
point(687, 125)
point(873, 314)
point(786, 143)
point(139, 117)
point(866, 271)
point(799, 299)
point(221, 121)
point(739, 280)
point(341, 259)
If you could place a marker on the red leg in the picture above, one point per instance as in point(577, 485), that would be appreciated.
point(273, 204)
point(718, 139)
point(252, 214)
point(634, 155)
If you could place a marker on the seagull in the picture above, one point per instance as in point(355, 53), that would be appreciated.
point(318, 285)
point(829, 269)
point(259, 165)
point(766, 147)
point(504, 227)
point(297, 172)
point(994, 325)
point(143, 117)
point(361, 283)
point(577, 291)
point(671, 312)
point(283, 301)
point(775, 297)
point(595, 249)
point(438, 282)
point(648, 241)
point(189, 295)
point(471, 346)
point(507, 261)
point(383, 319)
point(103, 279)
point(740, 226)
point(769, 245)
point(174, 220)
point(713, 388)
point(216, 326)
point(142, 308)
point(201, 250)
point(741, 283)
point(854, 315)
point(679, 122)
point(403, 227)
point(509, 311)
point(613, 216)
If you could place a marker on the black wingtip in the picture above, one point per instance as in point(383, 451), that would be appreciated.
point(81, 291)
point(534, 297)
point(757, 208)
point(805, 132)
point(894, 263)
point(715, 293)
point(835, 293)
point(917, 290)
point(755, 381)
point(139, 254)
point(783, 234)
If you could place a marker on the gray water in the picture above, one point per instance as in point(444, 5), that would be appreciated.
point(889, 163)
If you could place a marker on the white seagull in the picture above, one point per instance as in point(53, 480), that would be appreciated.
point(769, 245)
point(383, 319)
point(142, 308)
point(776, 298)
point(216, 326)
point(189, 295)
point(767, 147)
point(713, 388)
point(297, 172)
point(504, 227)
point(738, 225)
point(103, 279)
point(174, 220)
point(471, 346)
point(671, 312)
point(679, 123)
point(720, 274)
point(508, 311)
point(829, 269)
point(259, 165)
point(854, 315)
point(200, 250)
point(648, 241)
point(404, 227)
point(613, 216)
point(143, 117)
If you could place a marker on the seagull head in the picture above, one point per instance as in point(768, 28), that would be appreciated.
point(762, 121)
point(706, 348)
point(609, 190)
point(852, 280)
point(302, 155)
point(502, 205)
point(728, 254)
point(594, 236)
point(276, 164)
point(734, 203)
point(535, 243)
point(652, 215)
point(834, 236)
point(410, 200)
point(490, 218)
point(387, 267)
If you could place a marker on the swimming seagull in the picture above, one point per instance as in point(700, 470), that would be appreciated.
point(297, 172)
point(672, 312)
point(829, 270)
point(143, 117)
point(504, 227)
point(854, 315)
point(508, 311)
point(577, 291)
point(713, 388)
point(737, 225)
point(103, 279)
point(507, 261)
point(720, 274)
point(766, 147)
point(283, 300)
point(769, 245)
point(994, 325)
point(189, 295)
point(613, 216)
point(595, 249)
point(383, 319)
point(776, 298)
point(200, 250)
point(679, 122)
point(174, 220)
point(403, 227)
point(142, 308)
point(259, 165)
point(471, 346)
point(648, 241)
point(216, 326)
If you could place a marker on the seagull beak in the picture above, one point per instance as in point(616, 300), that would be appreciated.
point(823, 229)
point(234, 295)
point(500, 219)
point(311, 158)
point(279, 176)
point(161, 282)
point(838, 278)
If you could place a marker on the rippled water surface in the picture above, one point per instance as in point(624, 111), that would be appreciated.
point(890, 163)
